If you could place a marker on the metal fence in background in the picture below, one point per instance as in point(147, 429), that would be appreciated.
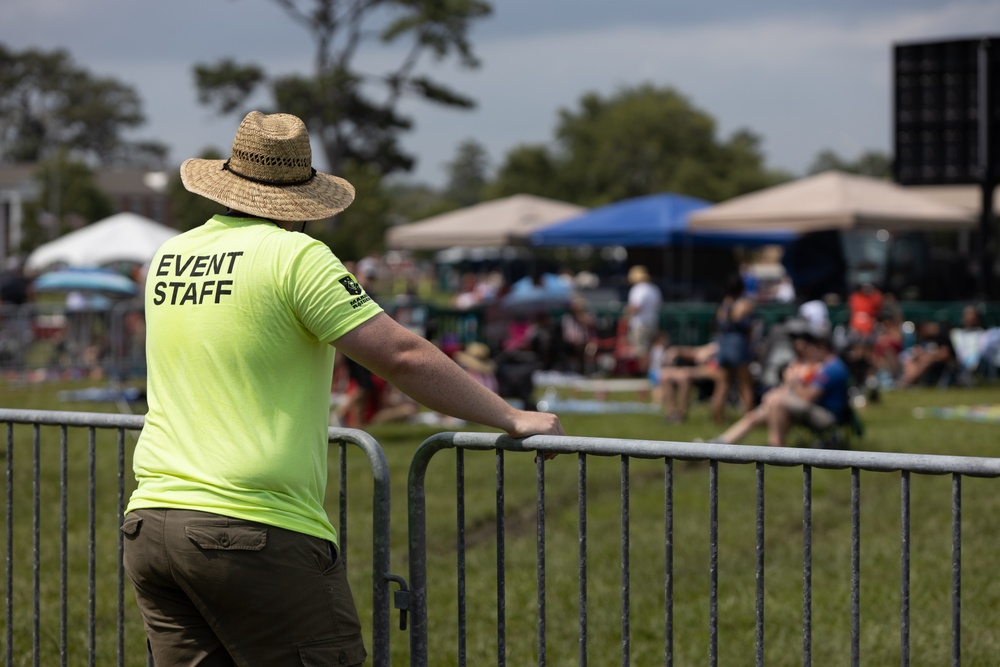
point(672, 455)
point(67, 471)
point(46, 338)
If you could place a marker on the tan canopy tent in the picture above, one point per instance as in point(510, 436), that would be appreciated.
point(494, 223)
point(968, 197)
point(832, 200)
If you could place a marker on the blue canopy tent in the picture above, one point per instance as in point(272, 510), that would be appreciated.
point(647, 221)
point(660, 221)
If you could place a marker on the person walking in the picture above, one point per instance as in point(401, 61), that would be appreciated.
point(231, 553)
point(642, 312)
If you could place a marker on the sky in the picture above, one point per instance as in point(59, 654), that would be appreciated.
point(804, 75)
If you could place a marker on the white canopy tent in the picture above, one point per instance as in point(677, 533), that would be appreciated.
point(832, 200)
point(494, 223)
point(123, 237)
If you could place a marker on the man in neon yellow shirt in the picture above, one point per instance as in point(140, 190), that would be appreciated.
point(230, 550)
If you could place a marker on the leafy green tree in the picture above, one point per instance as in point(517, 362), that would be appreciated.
point(414, 201)
point(643, 140)
point(870, 163)
point(352, 115)
point(49, 104)
point(355, 116)
point(69, 198)
point(191, 210)
point(360, 229)
point(532, 170)
point(468, 173)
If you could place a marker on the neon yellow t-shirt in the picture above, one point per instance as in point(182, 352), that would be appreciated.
point(239, 317)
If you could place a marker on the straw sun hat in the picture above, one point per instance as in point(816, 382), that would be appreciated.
point(269, 173)
point(475, 357)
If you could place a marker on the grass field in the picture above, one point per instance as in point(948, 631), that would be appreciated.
point(890, 426)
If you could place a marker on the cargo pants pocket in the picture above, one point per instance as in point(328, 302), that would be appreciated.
point(225, 537)
point(347, 652)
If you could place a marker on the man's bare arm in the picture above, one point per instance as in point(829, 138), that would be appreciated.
point(424, 373)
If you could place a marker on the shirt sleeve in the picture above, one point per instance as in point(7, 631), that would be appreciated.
point(326, 298)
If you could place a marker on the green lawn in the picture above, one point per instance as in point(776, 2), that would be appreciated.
point(890, 427)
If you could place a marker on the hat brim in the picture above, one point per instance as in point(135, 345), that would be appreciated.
point(322, 197)
point(474, 364)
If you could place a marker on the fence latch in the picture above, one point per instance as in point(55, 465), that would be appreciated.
point(400, 598)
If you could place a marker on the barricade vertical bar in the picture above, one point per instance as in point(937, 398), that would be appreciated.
point(668, 565)
point(342, 502)
point(581, 495)
point(63, 540)
point(417, 528)
point(540, 551)
point(760, 564)
point(626, 569)
point(956, 570)
point(121, 548)
point(855, 566)
point(36, 544)
point(713, 563)
point(806, 566)
point(92, 544)
point(460, 520)
point(904, 568)
point(9, 590)
point(501, 557)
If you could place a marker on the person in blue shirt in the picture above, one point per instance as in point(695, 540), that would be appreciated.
point(813, 392)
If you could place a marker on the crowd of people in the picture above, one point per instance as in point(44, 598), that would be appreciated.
point(749, 374)
point(808, 371)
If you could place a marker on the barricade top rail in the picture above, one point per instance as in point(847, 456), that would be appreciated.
point(930, 464)
point(62, 417)
point(135, 422)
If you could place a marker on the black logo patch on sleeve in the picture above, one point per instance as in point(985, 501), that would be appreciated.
point(351, 285)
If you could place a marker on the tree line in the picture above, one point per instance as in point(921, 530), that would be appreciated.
point(641, 139)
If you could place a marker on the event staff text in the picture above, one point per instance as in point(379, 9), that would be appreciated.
point(194, 292)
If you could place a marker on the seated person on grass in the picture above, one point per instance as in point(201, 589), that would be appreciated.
point(814, 393)
point(931, 360)
point(682, 367)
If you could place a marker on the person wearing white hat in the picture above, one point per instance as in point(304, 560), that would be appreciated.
point(227, 543)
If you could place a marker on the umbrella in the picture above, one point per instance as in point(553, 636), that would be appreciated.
point(86, 280)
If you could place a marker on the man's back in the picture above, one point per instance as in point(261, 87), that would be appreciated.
point(239, 313)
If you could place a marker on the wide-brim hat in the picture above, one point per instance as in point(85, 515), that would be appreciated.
point(269, 173)
point(476, 358)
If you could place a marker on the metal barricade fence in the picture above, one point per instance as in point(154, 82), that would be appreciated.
point(72, 517)
point(63, 488)
point(592, 595)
